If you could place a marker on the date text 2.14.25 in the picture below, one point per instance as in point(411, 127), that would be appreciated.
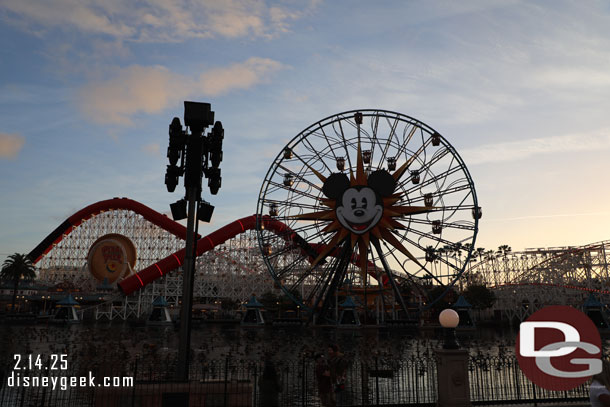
point(40, 362)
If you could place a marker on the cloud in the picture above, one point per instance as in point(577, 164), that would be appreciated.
point(150, 89)
point(238, 76)
point(69, 13)
point(136, 89)
point(10, 145)
point(236, 19)
point(152, 149)
point(157, 20)
point(522, 149)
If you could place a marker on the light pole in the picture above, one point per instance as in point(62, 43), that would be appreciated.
point(449, 320)
point(198, 155)
point(453, 385)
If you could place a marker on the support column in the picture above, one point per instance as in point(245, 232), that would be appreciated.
point(453, 385)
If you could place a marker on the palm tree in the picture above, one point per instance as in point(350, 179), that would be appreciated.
point(431, 254)
point(504, 249)
point(17, 267)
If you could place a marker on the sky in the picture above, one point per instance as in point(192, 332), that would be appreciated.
point(521, 89)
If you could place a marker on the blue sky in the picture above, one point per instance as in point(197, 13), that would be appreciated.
point(520, 88)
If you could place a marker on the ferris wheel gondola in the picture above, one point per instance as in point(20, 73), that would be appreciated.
point(371, 200)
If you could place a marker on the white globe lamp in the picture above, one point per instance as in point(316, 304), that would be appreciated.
point(449, 320)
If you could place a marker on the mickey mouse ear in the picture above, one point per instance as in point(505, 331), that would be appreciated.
point(382, 182)
point(335, 185)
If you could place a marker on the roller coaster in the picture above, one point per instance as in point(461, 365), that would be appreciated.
point(368, 200)
point(525, 281)
point(229, 264)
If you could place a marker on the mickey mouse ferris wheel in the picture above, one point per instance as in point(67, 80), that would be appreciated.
point(370, 204)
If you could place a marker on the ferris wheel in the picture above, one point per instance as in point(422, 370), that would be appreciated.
point(367, 201)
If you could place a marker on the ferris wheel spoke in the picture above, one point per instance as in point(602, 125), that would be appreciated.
point(300, 230)
point(390, 275)
point(303, 178)
point(308, 160)
point(359, 144)
point(393, 128)
point(337, 276)
point(319, 290)
point(388, 142)
point(349, 160)
point(424, 249)
point(285, 270)
point(442, 195)
point(325, 137)
point(320, 275)
point(400, 172)
point(428, 181)
point(318, 234)
point(435, 159)
point(407, 140)
point(317, 154)
point(354, 125)
point(426, 235)
point(449, 208)
point(462, 204)
point(410, 275)
point(443, 225)
point(300, 280)
point(291, 204)
point(295, 191)
point(439, 194)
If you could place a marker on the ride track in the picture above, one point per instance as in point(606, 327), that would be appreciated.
point(157, 270)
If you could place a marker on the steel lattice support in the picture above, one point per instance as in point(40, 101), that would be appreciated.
point(233, 270)
point(526, 281)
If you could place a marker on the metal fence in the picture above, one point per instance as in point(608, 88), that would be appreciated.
point(371, 381)
point(499, 380)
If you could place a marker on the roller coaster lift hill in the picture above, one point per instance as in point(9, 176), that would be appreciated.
point(198, 155)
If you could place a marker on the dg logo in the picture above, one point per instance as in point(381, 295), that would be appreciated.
point(559, 348)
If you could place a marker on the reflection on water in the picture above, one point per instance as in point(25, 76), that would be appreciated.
point(121, 342)
point(385, 367)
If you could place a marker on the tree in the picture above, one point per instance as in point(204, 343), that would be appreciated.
point(17, 267)
point(504, 249)
point(479, 296)
point(448, 298)
point(269, 300)
point(431, 254)
point(228, 304)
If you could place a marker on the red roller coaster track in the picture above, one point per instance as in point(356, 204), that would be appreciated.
point(173, 261)
point(90, 211)
point(149, 274)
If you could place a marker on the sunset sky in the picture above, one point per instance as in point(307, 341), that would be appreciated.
point(520, 88)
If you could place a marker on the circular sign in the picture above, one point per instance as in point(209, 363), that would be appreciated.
point(110, 257)
point(558, 348)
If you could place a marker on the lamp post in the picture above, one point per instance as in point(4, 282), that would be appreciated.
point(198, 155)
point(449, 320)
point(452, 365)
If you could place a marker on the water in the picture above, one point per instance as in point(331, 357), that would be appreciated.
point(391, 367)
point(121, 343)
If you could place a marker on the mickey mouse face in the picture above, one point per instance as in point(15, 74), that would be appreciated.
point(359, 211)
point(359, 208)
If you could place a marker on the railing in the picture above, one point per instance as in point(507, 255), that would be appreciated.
point(499, 380)
point(371, 381)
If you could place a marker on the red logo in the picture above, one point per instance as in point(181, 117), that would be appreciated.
point(558, 348)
